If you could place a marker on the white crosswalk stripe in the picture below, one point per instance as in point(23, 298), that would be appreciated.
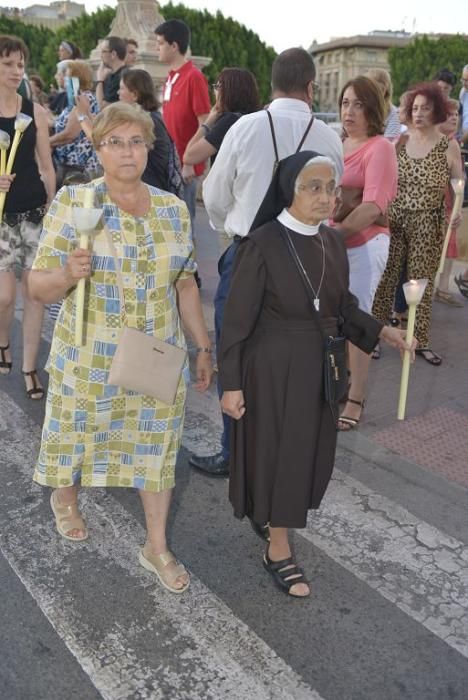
point(417, 567)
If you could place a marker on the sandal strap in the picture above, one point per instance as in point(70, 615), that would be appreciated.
point(167, 566)
point(277, 565)
point(358, 403)
point(36, 389)
point(350, 421)
point(68, 516)
point(3, 361)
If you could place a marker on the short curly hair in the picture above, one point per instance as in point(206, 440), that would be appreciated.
point(82, 71)
point(433, 94)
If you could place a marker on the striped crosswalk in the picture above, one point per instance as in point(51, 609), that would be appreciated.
point(134, 640)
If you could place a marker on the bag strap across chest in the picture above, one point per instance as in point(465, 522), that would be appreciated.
point(275, 144)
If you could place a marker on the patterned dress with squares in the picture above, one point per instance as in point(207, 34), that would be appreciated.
point(96, 433)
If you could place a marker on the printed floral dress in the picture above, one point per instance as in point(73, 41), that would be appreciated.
point(94, 432)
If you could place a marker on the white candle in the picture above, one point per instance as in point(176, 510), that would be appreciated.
point(414, 291)
point(458, 186)
point(88, 202)
point(4, 146)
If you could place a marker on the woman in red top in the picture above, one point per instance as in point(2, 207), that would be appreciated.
point(371, 165)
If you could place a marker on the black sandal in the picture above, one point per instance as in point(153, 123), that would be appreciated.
point(36, 392)
point(430, 356)
point(3, 361)
point(261, 530)
point(285, 573)
point(462, 285)
point(351, 422)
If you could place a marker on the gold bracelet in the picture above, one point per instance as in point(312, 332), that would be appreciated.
point(209, 350)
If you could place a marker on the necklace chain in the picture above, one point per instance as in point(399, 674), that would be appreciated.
point(315, 293)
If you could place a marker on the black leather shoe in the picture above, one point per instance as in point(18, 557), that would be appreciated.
point(214, 465)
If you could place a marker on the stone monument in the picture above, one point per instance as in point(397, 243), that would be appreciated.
point(137, 19)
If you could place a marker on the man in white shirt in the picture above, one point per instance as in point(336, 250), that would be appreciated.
point(241, 174)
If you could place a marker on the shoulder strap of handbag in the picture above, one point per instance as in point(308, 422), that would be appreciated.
point(118, 272)
point(273, 136)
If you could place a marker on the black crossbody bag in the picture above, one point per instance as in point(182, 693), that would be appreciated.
point(335, 372)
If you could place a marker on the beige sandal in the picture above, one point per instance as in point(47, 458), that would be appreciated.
point(68, 518)
point(166, 568)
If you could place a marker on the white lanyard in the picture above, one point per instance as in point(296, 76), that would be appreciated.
point(168, 87)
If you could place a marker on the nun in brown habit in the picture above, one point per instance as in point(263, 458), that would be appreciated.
point(271, 358)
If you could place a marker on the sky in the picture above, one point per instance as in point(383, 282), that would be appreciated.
point(299, 25)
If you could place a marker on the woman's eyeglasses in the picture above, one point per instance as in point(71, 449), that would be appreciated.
point(314, 188)
point(116, 144)
point(216, 86)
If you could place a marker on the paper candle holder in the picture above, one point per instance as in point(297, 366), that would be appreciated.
point(414, 291)
point(85, 219)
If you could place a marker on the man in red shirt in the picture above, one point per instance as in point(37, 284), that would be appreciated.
point(186, 101)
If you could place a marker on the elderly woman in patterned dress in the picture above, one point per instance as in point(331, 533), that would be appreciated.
point(96, 434)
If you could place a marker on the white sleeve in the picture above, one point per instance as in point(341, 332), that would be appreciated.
point(218, 185)
point(465, 111)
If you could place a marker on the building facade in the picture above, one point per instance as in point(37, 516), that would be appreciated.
point(53, 15)
point(339, 60)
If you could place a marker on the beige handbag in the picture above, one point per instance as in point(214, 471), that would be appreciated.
point(141, 362)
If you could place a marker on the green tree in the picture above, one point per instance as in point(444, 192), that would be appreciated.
point(423, 58)
point(34, 37)
point(84, 31)
point(227, 42)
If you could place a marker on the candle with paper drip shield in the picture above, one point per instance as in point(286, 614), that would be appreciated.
point(22, 122)
point(458, 186)
point(414, 291)
point(4, 146)
point(85, 219)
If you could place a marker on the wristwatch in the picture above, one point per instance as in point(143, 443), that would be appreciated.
point(82, 117)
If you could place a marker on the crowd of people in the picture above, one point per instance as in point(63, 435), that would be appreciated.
point(318, 231)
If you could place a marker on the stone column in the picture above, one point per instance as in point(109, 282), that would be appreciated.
point(137, 19)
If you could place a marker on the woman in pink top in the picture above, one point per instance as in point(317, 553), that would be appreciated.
point(370, 164)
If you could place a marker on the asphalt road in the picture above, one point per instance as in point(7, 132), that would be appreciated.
point(387, 620)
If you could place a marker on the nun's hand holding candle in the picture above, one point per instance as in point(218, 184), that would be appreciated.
point(271, 357)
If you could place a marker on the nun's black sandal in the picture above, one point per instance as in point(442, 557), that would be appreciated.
point(286, 574)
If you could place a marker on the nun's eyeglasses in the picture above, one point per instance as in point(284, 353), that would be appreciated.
point(316, 189)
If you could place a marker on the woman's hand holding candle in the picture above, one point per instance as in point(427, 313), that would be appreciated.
point(78, 266)
point(397, 339)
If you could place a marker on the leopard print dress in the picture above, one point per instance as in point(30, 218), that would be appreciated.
point(417, 226)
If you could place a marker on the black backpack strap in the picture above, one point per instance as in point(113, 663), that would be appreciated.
point(309, 126)
point(273, 136)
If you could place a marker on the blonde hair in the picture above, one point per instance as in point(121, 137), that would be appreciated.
point(384, 81)
point(118, 114)
point(81, 70)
